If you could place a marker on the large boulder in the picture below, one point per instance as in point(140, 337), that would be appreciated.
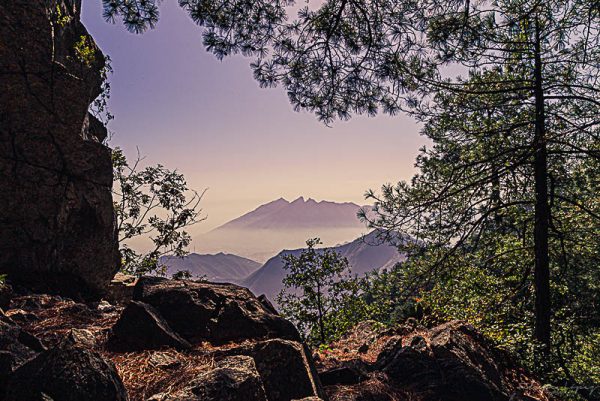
point(218, 313)
point(281, 363)
point(17, 346)
point(58, 224)
point(234, 379)
point(120, 289)
point(140, 327)
point(457, 363)
point(66, 374)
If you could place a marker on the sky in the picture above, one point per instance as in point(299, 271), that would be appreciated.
point(210, 120)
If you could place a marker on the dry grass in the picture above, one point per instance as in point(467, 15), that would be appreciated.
point(346, 348)
point(515, 379)
point(143, 378)
point(373, 389)
point(51, 318)
point(56, 316)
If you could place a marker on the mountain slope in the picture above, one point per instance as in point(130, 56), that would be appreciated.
point(282, 214)
point(364, 254)
point(280, 224)
point(221, 267)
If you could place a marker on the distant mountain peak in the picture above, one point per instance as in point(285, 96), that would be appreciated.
point(300, 213)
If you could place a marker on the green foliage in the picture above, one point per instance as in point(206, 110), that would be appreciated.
point(138, 15)
point(504, 209)
point(85, 51)
point(319, 294)
point(99, 107)
point(61, 18)
point(156, 203)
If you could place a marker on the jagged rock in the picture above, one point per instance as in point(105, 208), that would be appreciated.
point(66, 374)
point(58, 226)
point(234, 379)
point(6, 295)
point(121, 288)
point(456, 366)
point(281, 362)
point(352, 372)
point(141, 327)
point(213, 312)
point(16, 347)
point(81, 338)
point(267, 304)
point(390, 348)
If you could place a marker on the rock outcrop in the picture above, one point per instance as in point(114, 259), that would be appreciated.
point(450, 362)
point(218, 313)
point(58, 226)
point(66, 374)
point(140, 327)
point(17, 346)
point(279, 363)
point(233, 379)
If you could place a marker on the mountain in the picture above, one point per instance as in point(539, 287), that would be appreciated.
point(364, 254)
point(300, 213)
point(221, 267)
point(281, 224)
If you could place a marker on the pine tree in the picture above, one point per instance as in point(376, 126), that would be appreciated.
point(364, 56)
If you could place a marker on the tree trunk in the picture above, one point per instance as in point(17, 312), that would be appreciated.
point(542, 209)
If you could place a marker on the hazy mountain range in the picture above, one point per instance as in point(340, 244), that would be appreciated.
point(270, 229)
point(221, 267)
point(281, 224)
point(364, 254)
point(281, 214)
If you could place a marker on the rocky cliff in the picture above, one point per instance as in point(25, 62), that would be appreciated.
point(56, 216)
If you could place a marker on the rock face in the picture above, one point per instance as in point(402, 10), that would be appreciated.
point(66, 374)
point(141, 327)
point(58, 225)
point(455, 365)
point(234, 379)
point(16, 347)
point(450, 362)
point(286, 370)
point(212, 312)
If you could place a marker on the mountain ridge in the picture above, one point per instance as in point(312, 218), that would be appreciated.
point(364, 254)
point(282, 213)
point(218, 267)
point(281, 224)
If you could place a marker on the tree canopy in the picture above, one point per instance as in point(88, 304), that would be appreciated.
point(507, 90)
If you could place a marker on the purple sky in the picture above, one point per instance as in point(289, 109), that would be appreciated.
point(211, 121)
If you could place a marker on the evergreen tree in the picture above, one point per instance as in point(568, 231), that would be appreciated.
point(532, 65)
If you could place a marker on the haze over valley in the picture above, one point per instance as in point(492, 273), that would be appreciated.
point(282, 224)
point(248, 250)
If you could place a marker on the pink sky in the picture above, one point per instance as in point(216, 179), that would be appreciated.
point(211, 121)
